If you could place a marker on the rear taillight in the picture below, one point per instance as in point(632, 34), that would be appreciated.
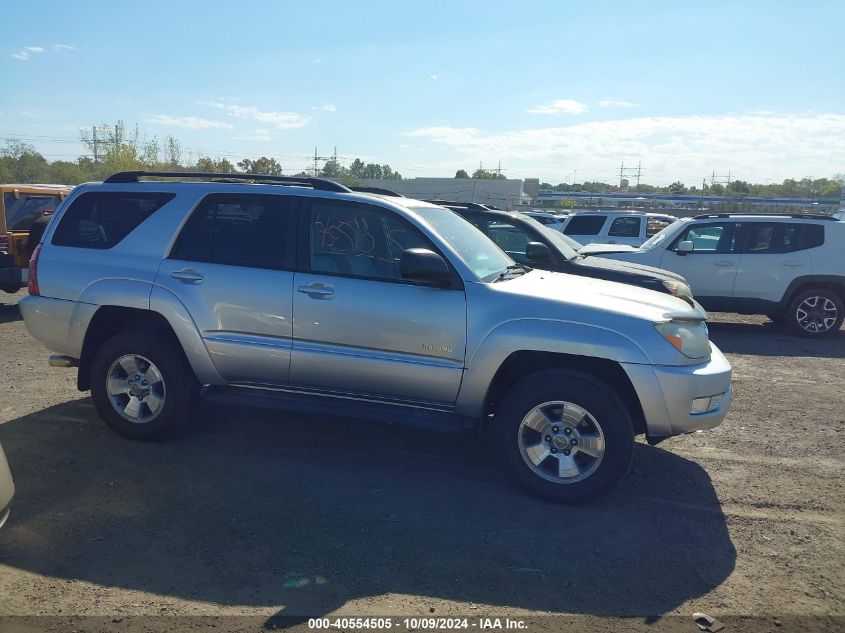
point(33, 272)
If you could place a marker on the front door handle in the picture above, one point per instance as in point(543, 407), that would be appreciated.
point(317, 290)
point(187, 276)
point(723, 263)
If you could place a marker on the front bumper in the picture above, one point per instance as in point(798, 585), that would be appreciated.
point(667, 393)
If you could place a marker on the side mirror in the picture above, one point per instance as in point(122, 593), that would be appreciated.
point(684, 247)
point(423, 265)
point(538, 252)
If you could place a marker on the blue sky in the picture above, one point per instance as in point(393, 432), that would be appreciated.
point(547, 88)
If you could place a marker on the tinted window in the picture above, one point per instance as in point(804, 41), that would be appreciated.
point(625, 227)
point(585, 225)
point(23, 211)
point(240, 230)
point(781, 237)
point(358, 240)
point(511, 239)
point(102, 219)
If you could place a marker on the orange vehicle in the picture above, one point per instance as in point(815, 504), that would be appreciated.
point(24, 212)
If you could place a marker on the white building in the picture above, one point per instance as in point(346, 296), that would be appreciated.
point(504, 194)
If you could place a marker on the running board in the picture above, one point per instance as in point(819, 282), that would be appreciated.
point(432, 419)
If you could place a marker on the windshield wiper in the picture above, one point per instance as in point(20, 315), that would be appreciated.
point(513, 269)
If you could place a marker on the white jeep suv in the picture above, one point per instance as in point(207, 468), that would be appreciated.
point(788, 267)
point(630, 228)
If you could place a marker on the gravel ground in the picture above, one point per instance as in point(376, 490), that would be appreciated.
point(255, 516)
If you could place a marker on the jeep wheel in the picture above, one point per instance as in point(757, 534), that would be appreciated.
point(816, 313)
point(565, 436)
point(142, 386)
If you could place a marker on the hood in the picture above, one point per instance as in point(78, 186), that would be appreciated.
point(623, 267)
point(592, 249)
point(588, 293)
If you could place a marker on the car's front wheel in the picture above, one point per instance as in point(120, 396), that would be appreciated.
point(565, 435)
point(142, 385)
point(816, 313)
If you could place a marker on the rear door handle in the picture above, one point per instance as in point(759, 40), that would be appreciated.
point(723, 263)
point(793, 264)
point(187, 276)
point(317, 290)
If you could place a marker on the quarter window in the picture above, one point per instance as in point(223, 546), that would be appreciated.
point(359, 241)
point(102, 219)
point(585, 225)
point(255, 231)
point(625, 227)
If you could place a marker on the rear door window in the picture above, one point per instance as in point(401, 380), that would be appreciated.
point(102, 219)
point(585, 225)
point(780, 237)
point(251, 230)
point(23, 211)
point(625, 226)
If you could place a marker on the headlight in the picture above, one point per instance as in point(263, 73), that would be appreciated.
point(688, 337)
point(678, 288)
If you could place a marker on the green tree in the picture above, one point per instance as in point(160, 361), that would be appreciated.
point(677, 187)
point(264, 165)
point(23, 163)
point(485, 174)
point(221, 166)
point(461, 173)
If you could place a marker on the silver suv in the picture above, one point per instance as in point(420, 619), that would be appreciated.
point(298, 293)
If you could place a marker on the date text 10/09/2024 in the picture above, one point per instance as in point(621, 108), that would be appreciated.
point(415, 624)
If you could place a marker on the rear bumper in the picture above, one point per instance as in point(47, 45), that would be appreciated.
point(667, 394)
point(60, 325)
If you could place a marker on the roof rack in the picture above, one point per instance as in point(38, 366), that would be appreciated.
point(801, 216)
point(322, 184)
point(474, 206)
point(378, 191)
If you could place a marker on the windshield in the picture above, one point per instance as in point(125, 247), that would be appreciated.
point(560, 241)
point(484, 258)
point(659, 238)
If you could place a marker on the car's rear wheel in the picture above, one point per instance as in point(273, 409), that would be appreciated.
point(142, 385)
point(565, 436)
point(816, 313)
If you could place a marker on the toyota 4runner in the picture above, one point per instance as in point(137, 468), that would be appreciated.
point(298, 293)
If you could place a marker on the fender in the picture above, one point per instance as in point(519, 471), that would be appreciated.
point(174, 311)
point(127, 293)
point(541, 335)
point(821, 280)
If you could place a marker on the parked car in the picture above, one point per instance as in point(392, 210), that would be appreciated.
point(528, 242)
point(24, 213)
point(553, 221)
point(788, 267)
point(7, 488)
point(299, 293)
point(615, 227)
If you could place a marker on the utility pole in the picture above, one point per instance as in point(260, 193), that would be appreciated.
point(94, 140)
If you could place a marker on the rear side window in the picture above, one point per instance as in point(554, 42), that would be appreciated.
point(256, 231)
point(102, 219)
point(782, 237)
point(625, 227)
point(585, 225)
point(813, 235)
point(23, 211)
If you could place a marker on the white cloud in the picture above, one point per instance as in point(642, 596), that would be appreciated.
point(64, 47)
point(753, 147)
point(329, 107)
point(256, 135)
point(26, 52)
point(615, 103)
point(189, 122)
point(564, 106)
point(282, 120)
point(433, 76)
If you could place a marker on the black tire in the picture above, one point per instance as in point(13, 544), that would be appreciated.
point(823, 297)
point(590, 394)
point(180, 387)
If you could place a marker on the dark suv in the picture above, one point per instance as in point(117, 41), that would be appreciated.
point(528, 242)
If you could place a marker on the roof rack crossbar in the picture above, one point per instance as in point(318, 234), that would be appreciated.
point(378, 191)
point(802, 216)
point(323, 184)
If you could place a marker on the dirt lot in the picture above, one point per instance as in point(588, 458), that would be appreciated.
point(253, 515)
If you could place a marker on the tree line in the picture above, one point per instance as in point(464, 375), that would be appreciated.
point(113, 148)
